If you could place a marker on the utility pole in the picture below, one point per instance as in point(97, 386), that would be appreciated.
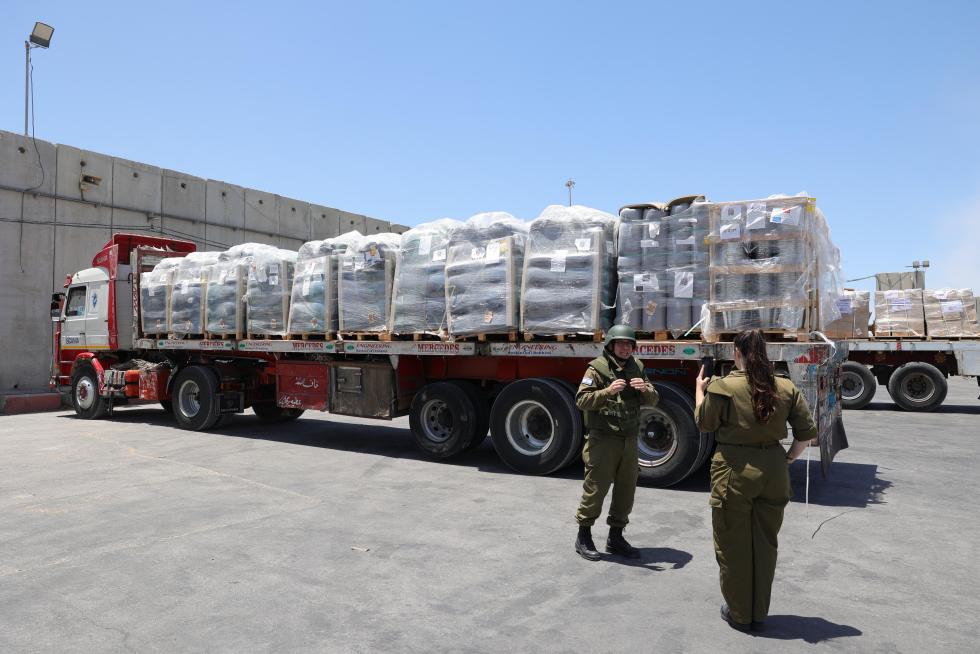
point(570, 184)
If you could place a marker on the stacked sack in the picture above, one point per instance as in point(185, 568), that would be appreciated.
point(950, 312)
point(313, 303)
point(484, 265)
point(267, 292)
point(155, 289)
point(419, 293)
point(187, 299)
point(685, 230)
point(569, 277)
point(365, 280)
point(759, 263)
point(227, 285)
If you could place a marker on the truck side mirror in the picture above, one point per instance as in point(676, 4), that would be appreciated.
point(56, 301)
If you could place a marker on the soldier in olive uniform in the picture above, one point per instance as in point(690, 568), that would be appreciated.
point(610, 396)
point(748, 411)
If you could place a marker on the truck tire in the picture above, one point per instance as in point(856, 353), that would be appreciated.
point(85, 398)
point(917, 386)
point(482, 407)
point(535, 426)
point(671, 445)
point(444, 419)
point(858, 385)
point(270, 412)
point(195, 398)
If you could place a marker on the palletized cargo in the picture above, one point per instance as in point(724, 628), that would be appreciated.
point(187, 301)
point(365, 279)
point(419, 293)
point(270, 277)
point(950, 313)
point(899, 313)
point(155, 289)
point(569, 278)
point(484, 264)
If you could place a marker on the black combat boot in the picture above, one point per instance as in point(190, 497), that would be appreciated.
point(584, 545)
point(616, 544)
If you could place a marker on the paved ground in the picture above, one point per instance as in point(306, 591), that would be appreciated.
point(331, 536)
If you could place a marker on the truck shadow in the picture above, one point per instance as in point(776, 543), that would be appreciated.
point(965, 409)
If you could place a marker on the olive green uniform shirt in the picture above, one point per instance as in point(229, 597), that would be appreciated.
point(593, 394)
point(727, 411)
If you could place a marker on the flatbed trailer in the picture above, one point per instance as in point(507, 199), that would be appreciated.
point(913, 370)
point(454, 393)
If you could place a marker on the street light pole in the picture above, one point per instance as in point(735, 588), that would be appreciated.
point(570, 184)
point(27, 77)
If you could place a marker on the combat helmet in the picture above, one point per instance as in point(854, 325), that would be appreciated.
point(620, 333)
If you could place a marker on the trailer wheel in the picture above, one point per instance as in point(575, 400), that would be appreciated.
point(671, 446)
point(85, 398)
point(195, 398)
point(271, 412)
point(917, 386)
point(858, 385)
point(535, 426)
point(482, 407)
point(443, 419)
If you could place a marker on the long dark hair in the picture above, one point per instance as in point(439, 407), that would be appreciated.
point(752, 346)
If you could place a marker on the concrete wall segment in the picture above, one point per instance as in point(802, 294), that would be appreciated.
point(84, 175)
point(27, 163)
point(294, 219)
point(136, 186)
point(261, 212)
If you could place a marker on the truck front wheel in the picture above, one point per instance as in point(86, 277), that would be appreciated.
point(857, 384)
point(535, 426)
point(917, 386)
point(85, 398)
point(195, 398)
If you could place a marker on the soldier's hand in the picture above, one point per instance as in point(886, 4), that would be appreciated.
point(617, 386)
point(638, 384)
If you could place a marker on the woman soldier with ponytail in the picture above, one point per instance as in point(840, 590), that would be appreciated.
point(748, 411)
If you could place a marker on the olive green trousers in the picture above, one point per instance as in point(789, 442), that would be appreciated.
point(609, 461)
point(749, 490)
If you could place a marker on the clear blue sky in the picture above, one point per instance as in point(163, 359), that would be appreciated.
point(415, 111)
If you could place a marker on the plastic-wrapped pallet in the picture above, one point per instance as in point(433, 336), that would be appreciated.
point(187, 300)
point(950, 312)
point(419, 293)
point(313, 301)
point(484, 265)
point(365, 279)
point(686, 274)
point(155, 289)
point(227, 287)
point(770, 262)
point(643, 247)
point(899, 313)
point(270, 278)
point(569, 278)
point(855, 314)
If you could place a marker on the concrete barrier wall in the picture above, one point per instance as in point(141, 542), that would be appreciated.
point(59, 205)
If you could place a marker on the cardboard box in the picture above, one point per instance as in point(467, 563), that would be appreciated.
point(855, 310)
point(950, 312)
point(899, 313)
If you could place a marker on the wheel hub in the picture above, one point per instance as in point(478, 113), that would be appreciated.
point(658, 439)
point(437, 421)
point(919, 388)
point(189, 398)
point(530, 427)
point(85, 393)
point(852, 385)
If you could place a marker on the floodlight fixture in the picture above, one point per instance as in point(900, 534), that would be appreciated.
point(41, 35)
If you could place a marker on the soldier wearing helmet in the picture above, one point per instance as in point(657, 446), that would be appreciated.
point(610, 396)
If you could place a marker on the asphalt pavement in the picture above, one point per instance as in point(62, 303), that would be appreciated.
point(335, 535)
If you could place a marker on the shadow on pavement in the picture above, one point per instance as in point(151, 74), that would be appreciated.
point(966, 409)
point(371, 438)
point(655, 559)
point(849, 484)
point(798, 627)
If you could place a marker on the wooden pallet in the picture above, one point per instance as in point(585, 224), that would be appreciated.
point(155, 335)
point(364, 336)
point(186, 337)
point(212, 336)
point(511, 336)
point(314, 336)
point(265, 337)
point(417, 337)
point(771, 336)
point(574, 337)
